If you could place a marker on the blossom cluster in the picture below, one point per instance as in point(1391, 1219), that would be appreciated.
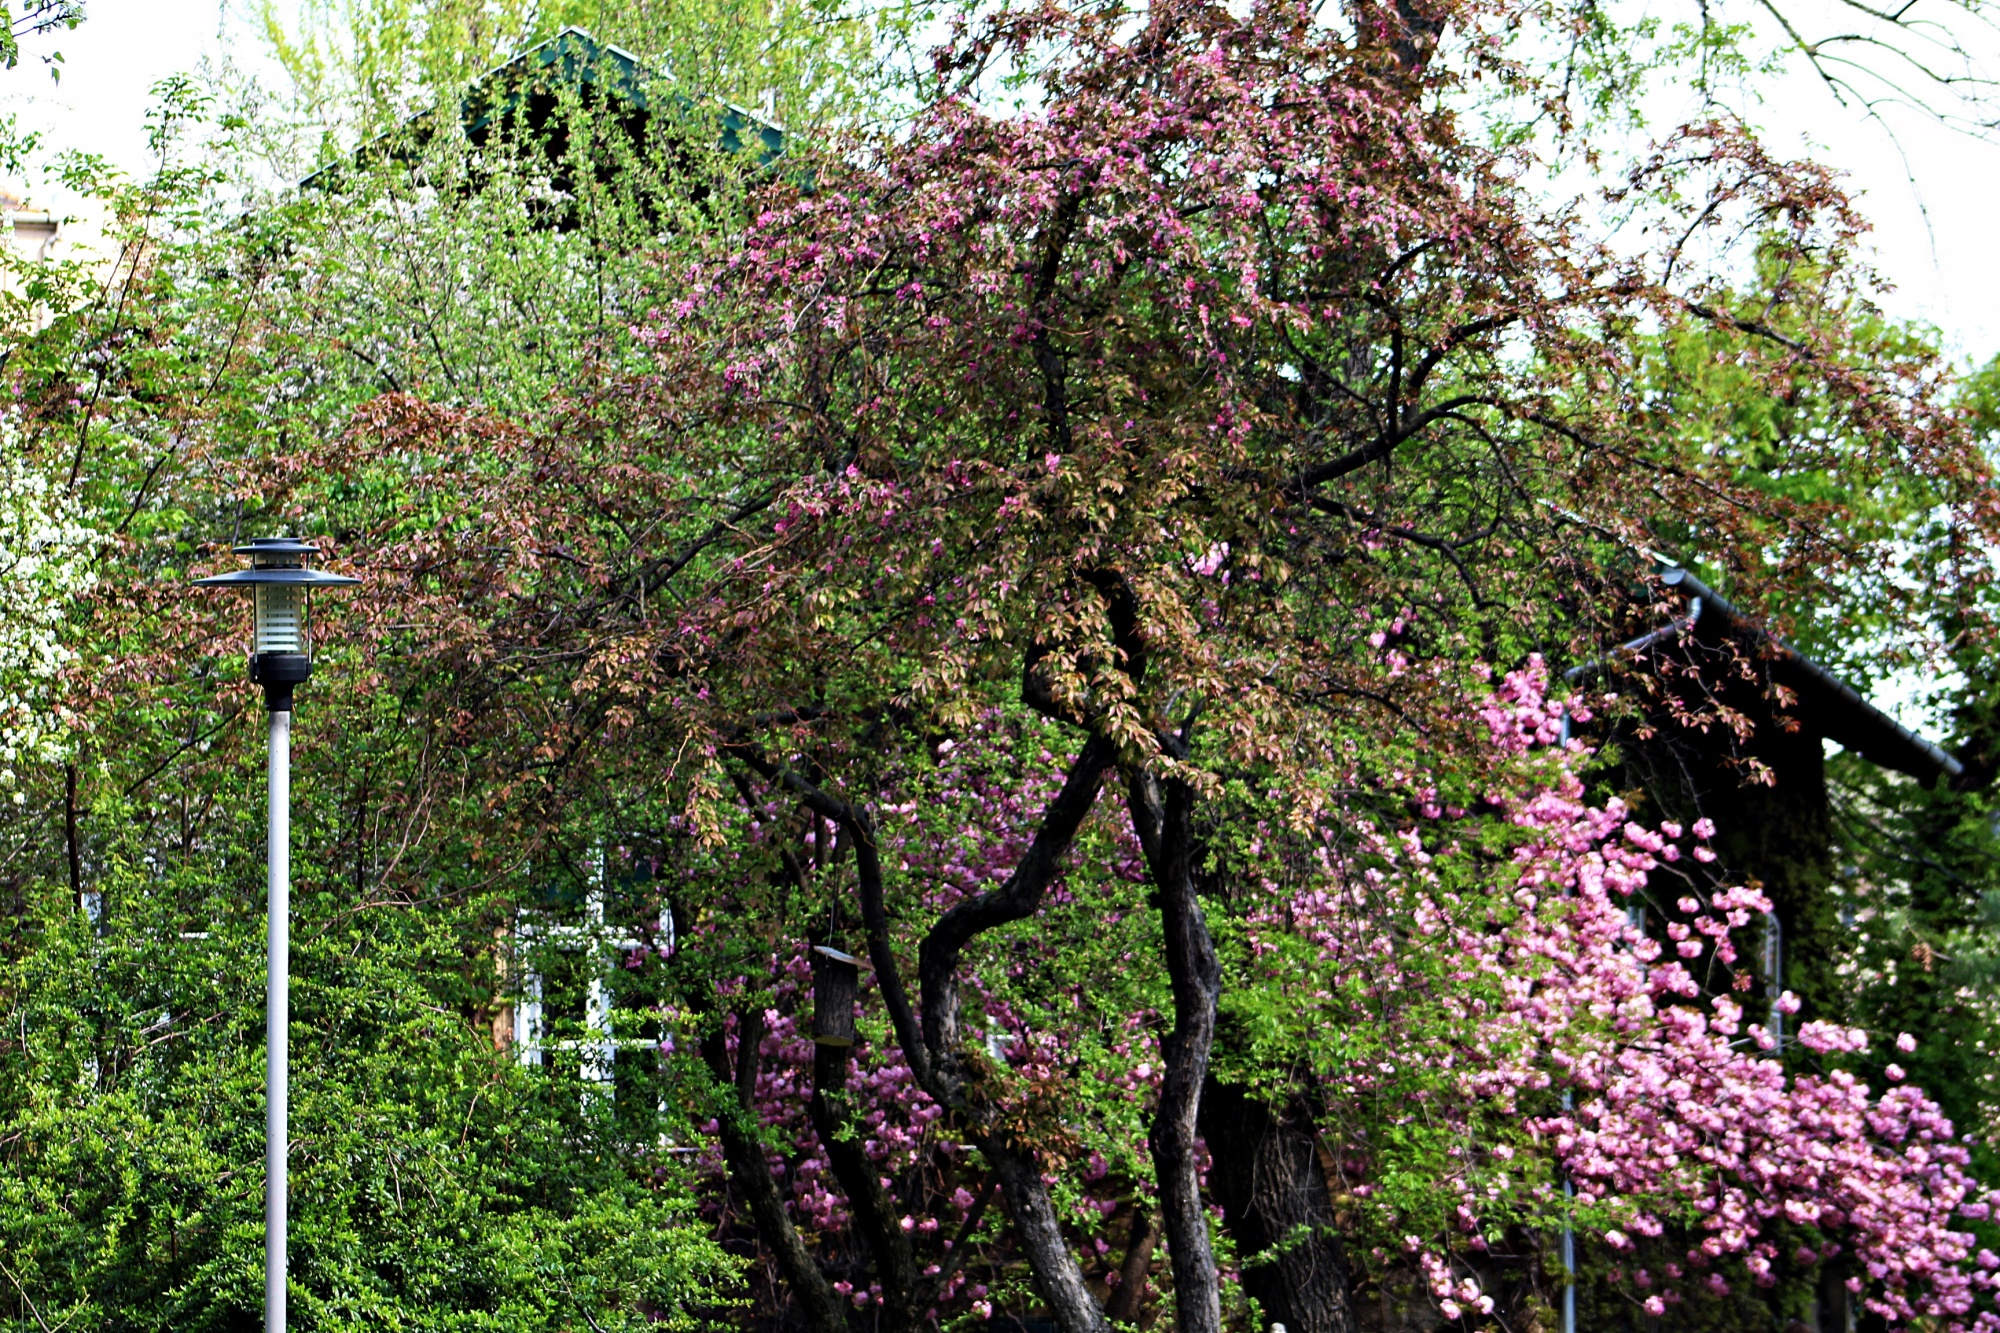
point(1686, 1143)
point(960, 827)
point(1504, 993)
point(45, 565)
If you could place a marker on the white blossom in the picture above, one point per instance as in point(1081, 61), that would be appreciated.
point(45, 565)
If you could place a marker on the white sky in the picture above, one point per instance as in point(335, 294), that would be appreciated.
point(119, 52)
point(1932, 193)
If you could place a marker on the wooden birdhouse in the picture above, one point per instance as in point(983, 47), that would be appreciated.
point(836, 984)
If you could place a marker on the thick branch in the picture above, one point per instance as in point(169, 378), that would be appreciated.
point(1139, 1245)
point(1019, 897)
point(1041, 1236)
point(1381, 446)
point(1055, 393)
point(875, 1212)
point(857, 823)
point(935, 1064)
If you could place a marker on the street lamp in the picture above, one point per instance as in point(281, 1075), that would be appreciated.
point(281, 587)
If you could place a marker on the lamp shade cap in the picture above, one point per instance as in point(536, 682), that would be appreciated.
point(278, 560)
point(312, 578)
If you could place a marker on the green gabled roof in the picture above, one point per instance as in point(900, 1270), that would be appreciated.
point(527, 85)
point(572, 58)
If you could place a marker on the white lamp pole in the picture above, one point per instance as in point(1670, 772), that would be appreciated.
point(280, 660)
point(277, 1015)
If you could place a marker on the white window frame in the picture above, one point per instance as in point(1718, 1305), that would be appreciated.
point(599, 1046)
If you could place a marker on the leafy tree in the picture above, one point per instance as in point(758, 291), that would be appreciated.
point(436, 1186)
point(360, 67)
point(448, 1186)
point(44, 566)
point(37, 16)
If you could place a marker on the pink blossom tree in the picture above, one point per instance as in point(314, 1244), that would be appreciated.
point(1200, 429)
point(1483, 1019)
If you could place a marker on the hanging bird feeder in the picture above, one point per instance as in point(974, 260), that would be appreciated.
point(836, 985)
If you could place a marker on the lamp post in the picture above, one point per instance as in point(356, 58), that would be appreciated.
point(281, 587)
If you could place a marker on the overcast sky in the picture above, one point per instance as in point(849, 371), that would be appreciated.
point(122, 49)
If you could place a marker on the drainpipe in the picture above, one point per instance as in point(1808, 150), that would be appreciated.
point(1573, 675)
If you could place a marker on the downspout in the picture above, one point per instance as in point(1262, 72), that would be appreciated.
point(1573, 676)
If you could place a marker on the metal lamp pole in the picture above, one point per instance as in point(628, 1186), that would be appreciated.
point(277, 1014)
point(280, 660)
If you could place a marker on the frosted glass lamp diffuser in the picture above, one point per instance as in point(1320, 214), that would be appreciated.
point(279, 623)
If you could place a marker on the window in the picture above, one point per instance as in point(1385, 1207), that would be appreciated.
point(566, 1014)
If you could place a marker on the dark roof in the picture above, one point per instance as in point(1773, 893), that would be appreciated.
point(1828, 705)
point(1834, 708)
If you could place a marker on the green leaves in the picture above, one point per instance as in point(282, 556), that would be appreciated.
point(37, 16)
point(437, 1184)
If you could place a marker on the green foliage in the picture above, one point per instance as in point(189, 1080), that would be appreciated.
point(1749, 394)
point(1918, 892)
point(496, 283)
point(363, 66)
point(37, 16)
point(436, 1183)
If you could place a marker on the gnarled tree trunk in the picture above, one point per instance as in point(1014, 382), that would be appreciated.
point(1265, 1172)
point(1165, 824)
point(743, 1154)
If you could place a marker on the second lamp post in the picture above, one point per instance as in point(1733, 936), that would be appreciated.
point(280, 660)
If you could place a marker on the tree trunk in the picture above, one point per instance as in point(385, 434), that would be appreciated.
point(931, 1044)
point(1126, 1302)
point(1056, 1269)
point(875, 1212)
point(1166, 832)
point(743, 1153)
point(1265, 1172)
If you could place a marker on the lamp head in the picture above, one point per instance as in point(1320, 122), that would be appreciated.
point(281, 587)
